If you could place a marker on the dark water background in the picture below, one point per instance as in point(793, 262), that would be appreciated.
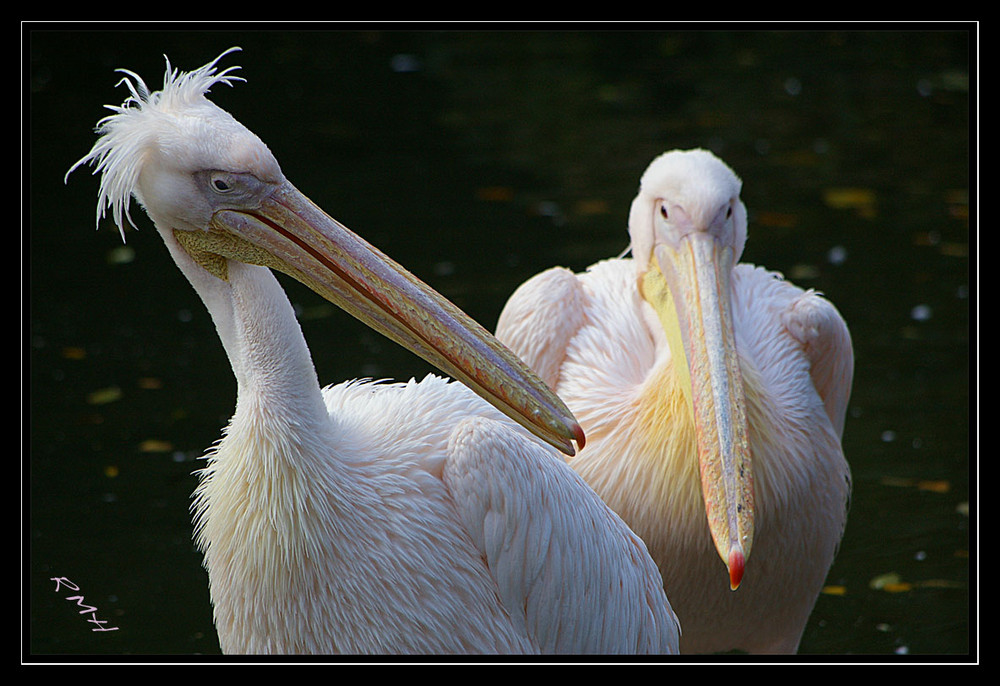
point(478, 158)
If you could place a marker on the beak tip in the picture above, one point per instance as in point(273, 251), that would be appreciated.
point(737, 562)
point(578, 436)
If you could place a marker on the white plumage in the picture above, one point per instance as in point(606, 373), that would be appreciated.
point(619, 344)
point(367, 517)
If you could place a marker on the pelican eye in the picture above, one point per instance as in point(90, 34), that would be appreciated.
point(221, 184)
point(663, 211)
point(729, 212)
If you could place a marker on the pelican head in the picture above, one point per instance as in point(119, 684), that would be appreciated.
point(688, 228)
point(683, 192)
point(216, 193)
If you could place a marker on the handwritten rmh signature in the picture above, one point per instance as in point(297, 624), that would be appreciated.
point(61, 582)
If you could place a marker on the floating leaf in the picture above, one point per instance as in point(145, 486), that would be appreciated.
point(891, 582)
point(103, 396)
point(939, 583)
point(588, 208)
point(933, 485)
point(846, 198)
point(883, 580)
point(110, 471)
point(834, 590)
point(896, 481)
point(801, 272)
point(73, 353)
point(153, 445)
point(936, 485)
point(861, 200)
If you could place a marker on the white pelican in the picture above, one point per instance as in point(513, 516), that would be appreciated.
point(704, 387)
point(366, 518)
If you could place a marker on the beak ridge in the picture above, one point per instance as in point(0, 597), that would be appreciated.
point(697, 273)
point(290, 233)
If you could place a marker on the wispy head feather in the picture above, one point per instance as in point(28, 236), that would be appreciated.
point(118, 153)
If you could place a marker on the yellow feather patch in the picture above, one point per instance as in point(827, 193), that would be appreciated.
point(665, 437)
point(654, 289)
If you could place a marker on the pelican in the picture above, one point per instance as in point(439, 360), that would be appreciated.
point(713, 397)
point(366, 517)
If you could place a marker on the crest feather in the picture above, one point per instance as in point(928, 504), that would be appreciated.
point(117, 154)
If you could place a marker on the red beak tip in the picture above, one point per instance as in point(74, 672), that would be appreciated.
point(736, 564)
point(581, 440)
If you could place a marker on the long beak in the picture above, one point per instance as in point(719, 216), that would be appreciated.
point(288, 232)
point(697, 272)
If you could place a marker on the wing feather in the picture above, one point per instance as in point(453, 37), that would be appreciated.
point(567, 564)
point(540, 319)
